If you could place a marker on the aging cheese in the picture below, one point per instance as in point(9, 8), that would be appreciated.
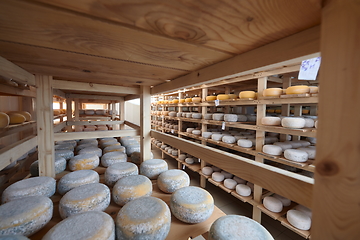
point(196, 115)
point(304, 209)
point(207, 170)
point(88, 141)
point(230, 118)
point(216, 136)
point(76, 179)
point(309, 123)
point(247, 94)
point(222, 97)
point(228, 139)
point(272, 92)
point(84, 162)
point(4, 120)
point(16, 118)
point(187, 100)
point(196, 132)
point(115, 148)
point(310, 151)
point(296, 155)
point(243, 190)
point(301, 89)
point(152, 168)
point(230, 183)
point(272, 150)
point(283, 145)
point(241, 118)
point(67, 154)
point(208, 116)
point(189, 160)
point(298, 219)
point(196, 99)
point(210, 98)
point(293, 122)
point(285, 201)
point(91, 150)
point(110, 158)
point(218, 117)
point(118, 171)
point(60, 165)
point(271, 121)
point(244, 143)
point(217, 177)
point(172, 180)
point(273, 204)
point(109, 143)
point(239, 180)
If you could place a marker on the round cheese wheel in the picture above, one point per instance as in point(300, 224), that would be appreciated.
point(172, 114)
point(283, 145)
point(181, 100)
point(4, 120)
point(227, 174)
point(84, 162)
point(272, 150)
point(130, 149)
point(272, 92)
point(243, 190)
point(310, 151)
point(87, 225)
point(230, 183)
point(67, 154)
point(89, 112)
point(119, 170)
point(210, 98)
point(285, 201)
point(88, 141)
point(175, 100)
point(271, 121)
point(115, 148)
point(110, 158)
point(16, 118)
point(207, 170)
point(196, 115)
point(135, 157)
point(232, 227)
point(196, 99)
point(89, 197)
point(228, 139)
point(136, 220)
point(196, 132)
point(309, 123)
point(298, 219)
point(216, 169)
point(179, 114)
point(230, 118)
point(206, 135)
point(222, 97)
point(293, 122)
point(64, 147)
point(36, 186)
point(217, 177)
point(316, 124)
point(152, 168)
point(247, 94)
point(60, 165)
point(239, 180)
point(241, 118)
point(313, 89)
point(76, 179)
point(191, 204)
point(244, 143)
point(182, 156)
point(218, 117)
point(109, 143)
point(296, 155)
point(302, 143)
point(189, 130)
point(208, 116)
point(273, 204)
point(91, 150)
point(85, 145)
point(216, 136)
point(131, 187)
point(172, 180)
point(189, 160)
point(25, 216)
point(301, 89)
point(304, 209)
point(187, 100)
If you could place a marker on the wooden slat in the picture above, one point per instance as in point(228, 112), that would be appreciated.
point(14, 91)
point(71, 123)
point(89, 96)
point(58, 127)
point(131, 97)
point(132, 125)
point(59, 93)
point(145, 123)
point(11, 71)
point(16, 128)
point(95, 134)
point(287, 51)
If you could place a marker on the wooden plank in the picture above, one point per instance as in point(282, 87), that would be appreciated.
point(68, 113)
point(145, 123)
point(93, 87)
point(286, 51)
point(131, 97)
point(293, 186)
point(132, 125)
point(14, 91)
point(71, 123)
point(337, 151)
point(11, 71)
point(45, 126)
point(59, 127)
point(89, 96)
point(16, 128)
point(95, 134)
point(306, 132)
point(59, 93)
point(122, 113)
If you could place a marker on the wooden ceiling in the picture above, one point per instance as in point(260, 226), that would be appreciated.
point(143, 42)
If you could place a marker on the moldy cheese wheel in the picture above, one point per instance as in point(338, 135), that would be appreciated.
point(76, 179)
point(172, 180)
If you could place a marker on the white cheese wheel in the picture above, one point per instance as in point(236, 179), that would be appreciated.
point(218, 117)
point(232, 96)
point(172, 114)
point(119, 170)
point(230, 183)
point(230, 118)
point(296, 155)
point(191, 204)
point(189, 130)
point(16, 118)
point(216, 169)
point(216, 136)
point(273, 204)
point(88, 141)
point(135, 157)
point(304, 209)
point(196, 115)
point(91, 150)
point(303, 143)
point(152, 168)
point(188, 115)
point(311, 140)
point(76, 179)
point(189, 160)
point(36, 186)
point(294, 144)
point(87, 225)
point(88, 197)
point(109, 143)
point(67, 154)
point(222, 97)
point(179, 114)
point(85, 145)
point(196, 132)
point(207, 171)
point(251, 118)
point(130, 149)
point(143, 218)
point(243, 190)
point(283, 145)
point(131, 187)
point(208, 116)
point(172, 180)
point(210, 98)
point(84, 162)
point(4, 120)
point(174, 152)
point(64, 146)
point(309, 123)
point(182, 156)
point(206, 135)
point(293, 122)
point(285, 201)
point(271, 121)
point(310, 151)
point(115, 148)
point(272, 92)
point(228, 139)
point(241, 118)
point(227, 174)
point(217, 177)
point(233, 227)
point(239, 180)
point(60, 165)
point(272, 150)
point(298, 219)
point(25, 216)
point(110, 158)
point(247, 94)
point(316, 124)
point(301, 89)
point(244, 143)
point(314, 89)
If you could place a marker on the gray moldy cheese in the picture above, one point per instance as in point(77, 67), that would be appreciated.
point(76, 179)
point(118, 171)
point(172, 180)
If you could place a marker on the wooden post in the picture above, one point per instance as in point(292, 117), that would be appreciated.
point(336, 201)
point(76, 112)
point(180, 96)
point(145, 119)
point(68, 113)
point(285, 108)
point(203, 129)
point(61, 107)
point(122, 113)
point(45, 131)
point(297, 113)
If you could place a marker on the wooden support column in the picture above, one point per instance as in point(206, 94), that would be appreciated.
point(297, 113)
point(76, 112)
point(61, 107)
point(45, 131)
point(203, 129)
point(285, 108)
point(336, 201)
point(145, 123)
point(122, 113)
point(69, 113)
point(113, 115)
point(180, 96)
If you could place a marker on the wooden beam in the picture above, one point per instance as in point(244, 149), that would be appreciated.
point(290, 185)
point(145, 123)
point(89, 96)
point(336, 202)
point(132, 125)
point(12, 71)
point(70, 123)
point(68, 112)
point(58, 127)
point(45, 126)
point(95, 134)
point(93, 87)
point(131, 97)
point(284, 52)
point(122, 113)
point(14, 91)
point(59, 93)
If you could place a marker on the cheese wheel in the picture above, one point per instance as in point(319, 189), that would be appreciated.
point(196, 132)
point(210, 98)
point(109, 139)
point(4, 120)
point(87, 225)
point(16, 118)
point(239, 180)
point(36, 186)
point(217, 176)
point(206, 135)
point(181, 100)
point(310, 151)
point(294, 144)
point(218, 117)
point(13, 237)
point(296, 155)
point(273, 204)
point(84, 145)
point(222, 97)
point(187, 100)
point(303, 143)
point(298, 219)
point(60, 165)
point(179, 114)
point(271, 121)
point(172, 114)
point(309, 123)
point(175, 100)
point(91, 150)
point(109, 143)
point(208, 116)
point(26, 114)
point(196, 115)
point(191, 204)
point(285, 201)
point(131, 187)
point(230, 117)
point(196, 99)
point(247, 94)
point(88, 141)
point(272, 150)
point(313, 89)
point(119, 170)
point(272, 92)
point(89, 197)
point(216, 136)
point(135, 157)
point(84, 162)
point(110, 158)
point(189, 130)
point(227, 174)
point(153, 167)
point(64, 147)
point(301, 89)
point(130, 149)
point(182, 156)
point(228, 139)
point(136, 220)
point(67, 154)
point(172, 180)
point(283, 145)
point(76, 179)
point(244, 143)
point(230, 183)
point(232, 227)
point(189, 160)
point(89, 112)
point(114, 148)
point(207, 171)
point(243, 190)
point(241, 118)
point(293, 122)
point(304, 209)
point(25, 216)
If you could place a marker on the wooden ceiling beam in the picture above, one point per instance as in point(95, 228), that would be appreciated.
point(59, 93)
point(10, 70)
point(131, 97)
point(88, 96)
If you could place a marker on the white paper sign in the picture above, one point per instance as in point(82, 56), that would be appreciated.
point(223, 126)
point(172, 131)
point(309, 69)
point(217, 102)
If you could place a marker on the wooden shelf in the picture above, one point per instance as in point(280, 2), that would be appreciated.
point(305, 234)
point(16, 128)
point(274, 215)
point(306, 132)
point(59, 116)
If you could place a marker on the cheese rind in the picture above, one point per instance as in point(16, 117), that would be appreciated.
point(247, 94)
point(273, 204)
point(217, 177)
point(16, 118)
point(207, 170)
point(296, 155)
point(172, 180)
point(272, 92)
point(293, 122)
point(91, 150)
point(243, 190)
point(298, 219)
point(76, 179)
point(152, 168)
point(300, 89)
point(230, 183)
point(84, 162)
point(60, 166)
point(271, 121)
point(111, 158)
point(272, 150)
point(118, 171)
point(4, 120)
point(244, 143)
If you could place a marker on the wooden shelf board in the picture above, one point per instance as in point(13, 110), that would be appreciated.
point(193, 167)
point(306, 132)
point(308, 165)
point(305, 234)
point(59, 116)
point(214, 182)
point(242, 198)
point(303, 95)
point(222, 186)
point(205, 176)
point(11, 129)
point(274, 215)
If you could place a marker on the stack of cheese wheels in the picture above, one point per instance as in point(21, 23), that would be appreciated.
point(25, 216)
point(36, 186)
point(218, 116)
point(237, 227)
point(115, 148)
point(293, 122)
point(118, 171)
point(152, 168)
point(67, 154)
point(296, 155)
point(136, 220)
point(172, 180)
point(271, 121)
point(272, 92)
point(247, 94)
point(84, 145)
point(222, 97)
point(87, 225)
point(91, 150)
point(135, 157)
point(273, 204)
point(60, 165)
point(4, 120)
point(131, 187)
point(84, 162)
point(110, 158)
point(301, 89)
point(76, 179)
point(89, 197)
point(191, 204)
point(210, 98)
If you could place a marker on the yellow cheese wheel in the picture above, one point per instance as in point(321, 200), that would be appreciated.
point(301, 89)
point(181, 100)
point(27, 115)
point(176, 101)
point(4, 120)
point(16, 118)
point(222, 96)
point(277, 110)
point(247, 94)
point(305, 111)
point(56, 112)
point(270, 110)
point(272, 92)
point(188, 99)
point(210, 98)
point(314, 89)
point(196, 99)
point(232, 96)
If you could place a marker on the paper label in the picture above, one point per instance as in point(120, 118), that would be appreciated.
point(309, 69)
point(217, 102)
point(223, 126)
point(172, 131)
